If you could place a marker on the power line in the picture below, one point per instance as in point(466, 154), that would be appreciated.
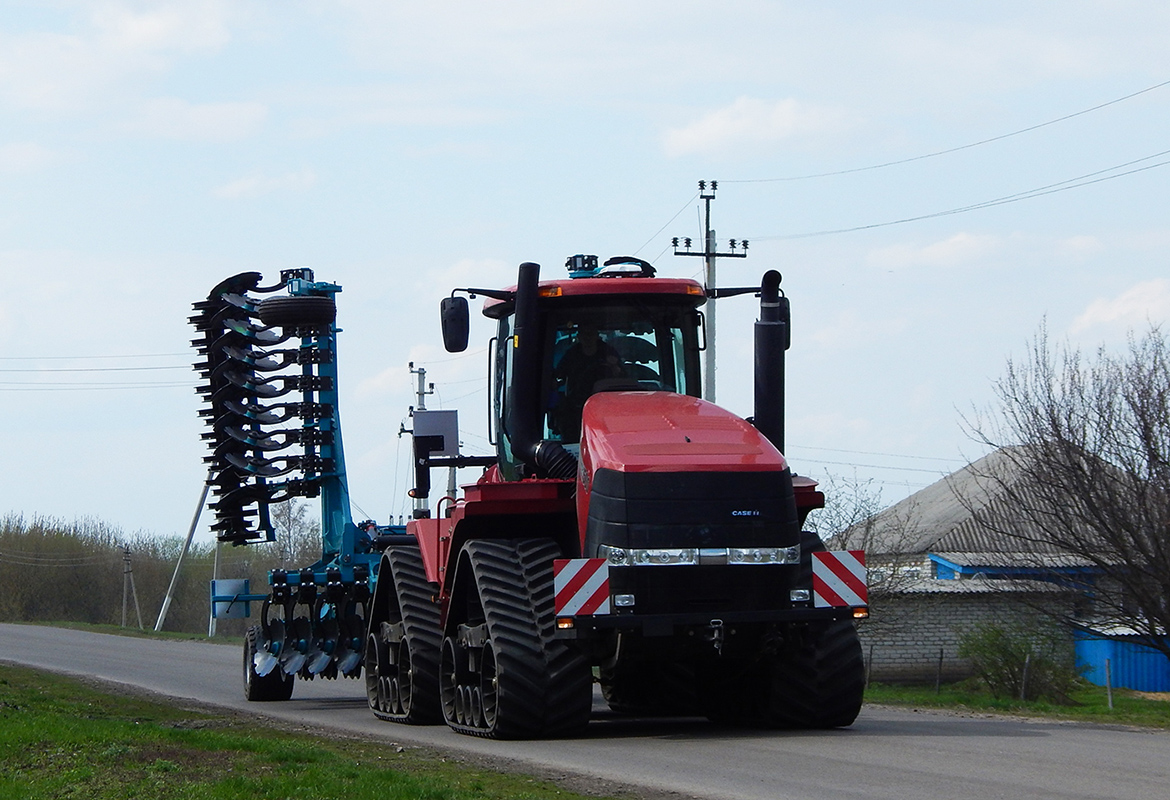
point(664, 227)
point(1028, 194)
point(466, 354)
point(939, 472)
point(31, 386)
point(85, 358)
point(96, 369)
point(872, 453)
point(937, 153)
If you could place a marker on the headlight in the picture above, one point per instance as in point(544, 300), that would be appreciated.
point(763, 555)
point(649, 557)
point(664, 556)
point(617, 556)
point(688, 556)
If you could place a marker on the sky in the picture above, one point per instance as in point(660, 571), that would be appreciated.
point(150, 149)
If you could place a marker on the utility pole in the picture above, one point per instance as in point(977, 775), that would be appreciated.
point(128, 586)
point(709, 253)
point(420, 503)
point(166, 606)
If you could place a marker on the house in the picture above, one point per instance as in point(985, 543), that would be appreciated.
point(949, 558)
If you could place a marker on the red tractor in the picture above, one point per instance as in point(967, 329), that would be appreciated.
point(625, 532)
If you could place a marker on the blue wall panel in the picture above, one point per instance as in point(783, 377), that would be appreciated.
point(1132, 665)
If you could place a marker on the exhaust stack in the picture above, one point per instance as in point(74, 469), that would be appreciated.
point(772, 338)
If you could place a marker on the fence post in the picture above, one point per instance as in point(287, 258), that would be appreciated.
point(938, 673)
point(1109, 682)
point(1024, 679)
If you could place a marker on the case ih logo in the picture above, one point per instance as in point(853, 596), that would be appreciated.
point(839, 579)
point(581, 586)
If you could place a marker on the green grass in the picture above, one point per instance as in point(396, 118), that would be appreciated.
point(1087, 703)
point(60, 738)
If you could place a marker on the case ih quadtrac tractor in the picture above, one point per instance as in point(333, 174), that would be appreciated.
point(626, 532)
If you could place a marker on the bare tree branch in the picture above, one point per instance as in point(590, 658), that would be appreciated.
point(1084, 472)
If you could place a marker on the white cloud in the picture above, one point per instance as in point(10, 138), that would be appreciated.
point(69, 72)
point(182, 26)
point(258, 184)
point(380, 105)
point(946, 52)
point(25, 157)
point(1146, 301)
point(962, 248)
point(172, 118)
point(750, 122)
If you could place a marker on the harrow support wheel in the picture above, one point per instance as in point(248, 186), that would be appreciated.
point(274, 685)
point(503, 674)
point(297, 311)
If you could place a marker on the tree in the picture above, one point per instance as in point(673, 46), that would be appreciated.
point(298, 538)
point(853, 519)
point(1084, 477)
point(850, 504)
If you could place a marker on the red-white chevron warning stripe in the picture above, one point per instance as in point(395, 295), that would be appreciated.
point(839, 579)
point(581, 586)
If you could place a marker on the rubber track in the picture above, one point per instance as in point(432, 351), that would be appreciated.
point(411, 603)
point(544, 687)
point(840, 676)
point(815, 680)
point(819, 681)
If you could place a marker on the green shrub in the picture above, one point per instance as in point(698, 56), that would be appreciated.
point(1022, 662)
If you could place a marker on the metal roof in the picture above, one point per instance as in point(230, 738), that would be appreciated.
point(961, 513)
point(979, 584)
point(1014, 559)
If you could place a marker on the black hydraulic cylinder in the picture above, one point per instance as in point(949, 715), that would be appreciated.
point(772, 338)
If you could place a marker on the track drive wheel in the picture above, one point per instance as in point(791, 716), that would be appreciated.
point(402, 646)
point(503, 675)
point(275, 685)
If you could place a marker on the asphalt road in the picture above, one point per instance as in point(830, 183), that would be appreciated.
point(894, 754)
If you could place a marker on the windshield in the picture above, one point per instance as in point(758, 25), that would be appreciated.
point(632, 347)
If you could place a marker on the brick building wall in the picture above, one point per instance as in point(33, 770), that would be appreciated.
point(903, 638)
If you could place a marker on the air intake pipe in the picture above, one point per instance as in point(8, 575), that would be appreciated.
point(772, 337)
point(545, 459)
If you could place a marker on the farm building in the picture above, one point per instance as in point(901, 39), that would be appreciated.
point(937, 571)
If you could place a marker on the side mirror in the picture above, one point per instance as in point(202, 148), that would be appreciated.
point(456, 323)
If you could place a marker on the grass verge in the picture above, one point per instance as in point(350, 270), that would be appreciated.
point(1087, 703)
point(60, 738)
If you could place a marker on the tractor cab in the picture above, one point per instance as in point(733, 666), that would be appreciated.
point(610, 328)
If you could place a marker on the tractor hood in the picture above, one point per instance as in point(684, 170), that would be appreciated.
point(659, 469)
point(666, 432)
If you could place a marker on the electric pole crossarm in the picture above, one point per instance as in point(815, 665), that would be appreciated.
point(710, 253)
